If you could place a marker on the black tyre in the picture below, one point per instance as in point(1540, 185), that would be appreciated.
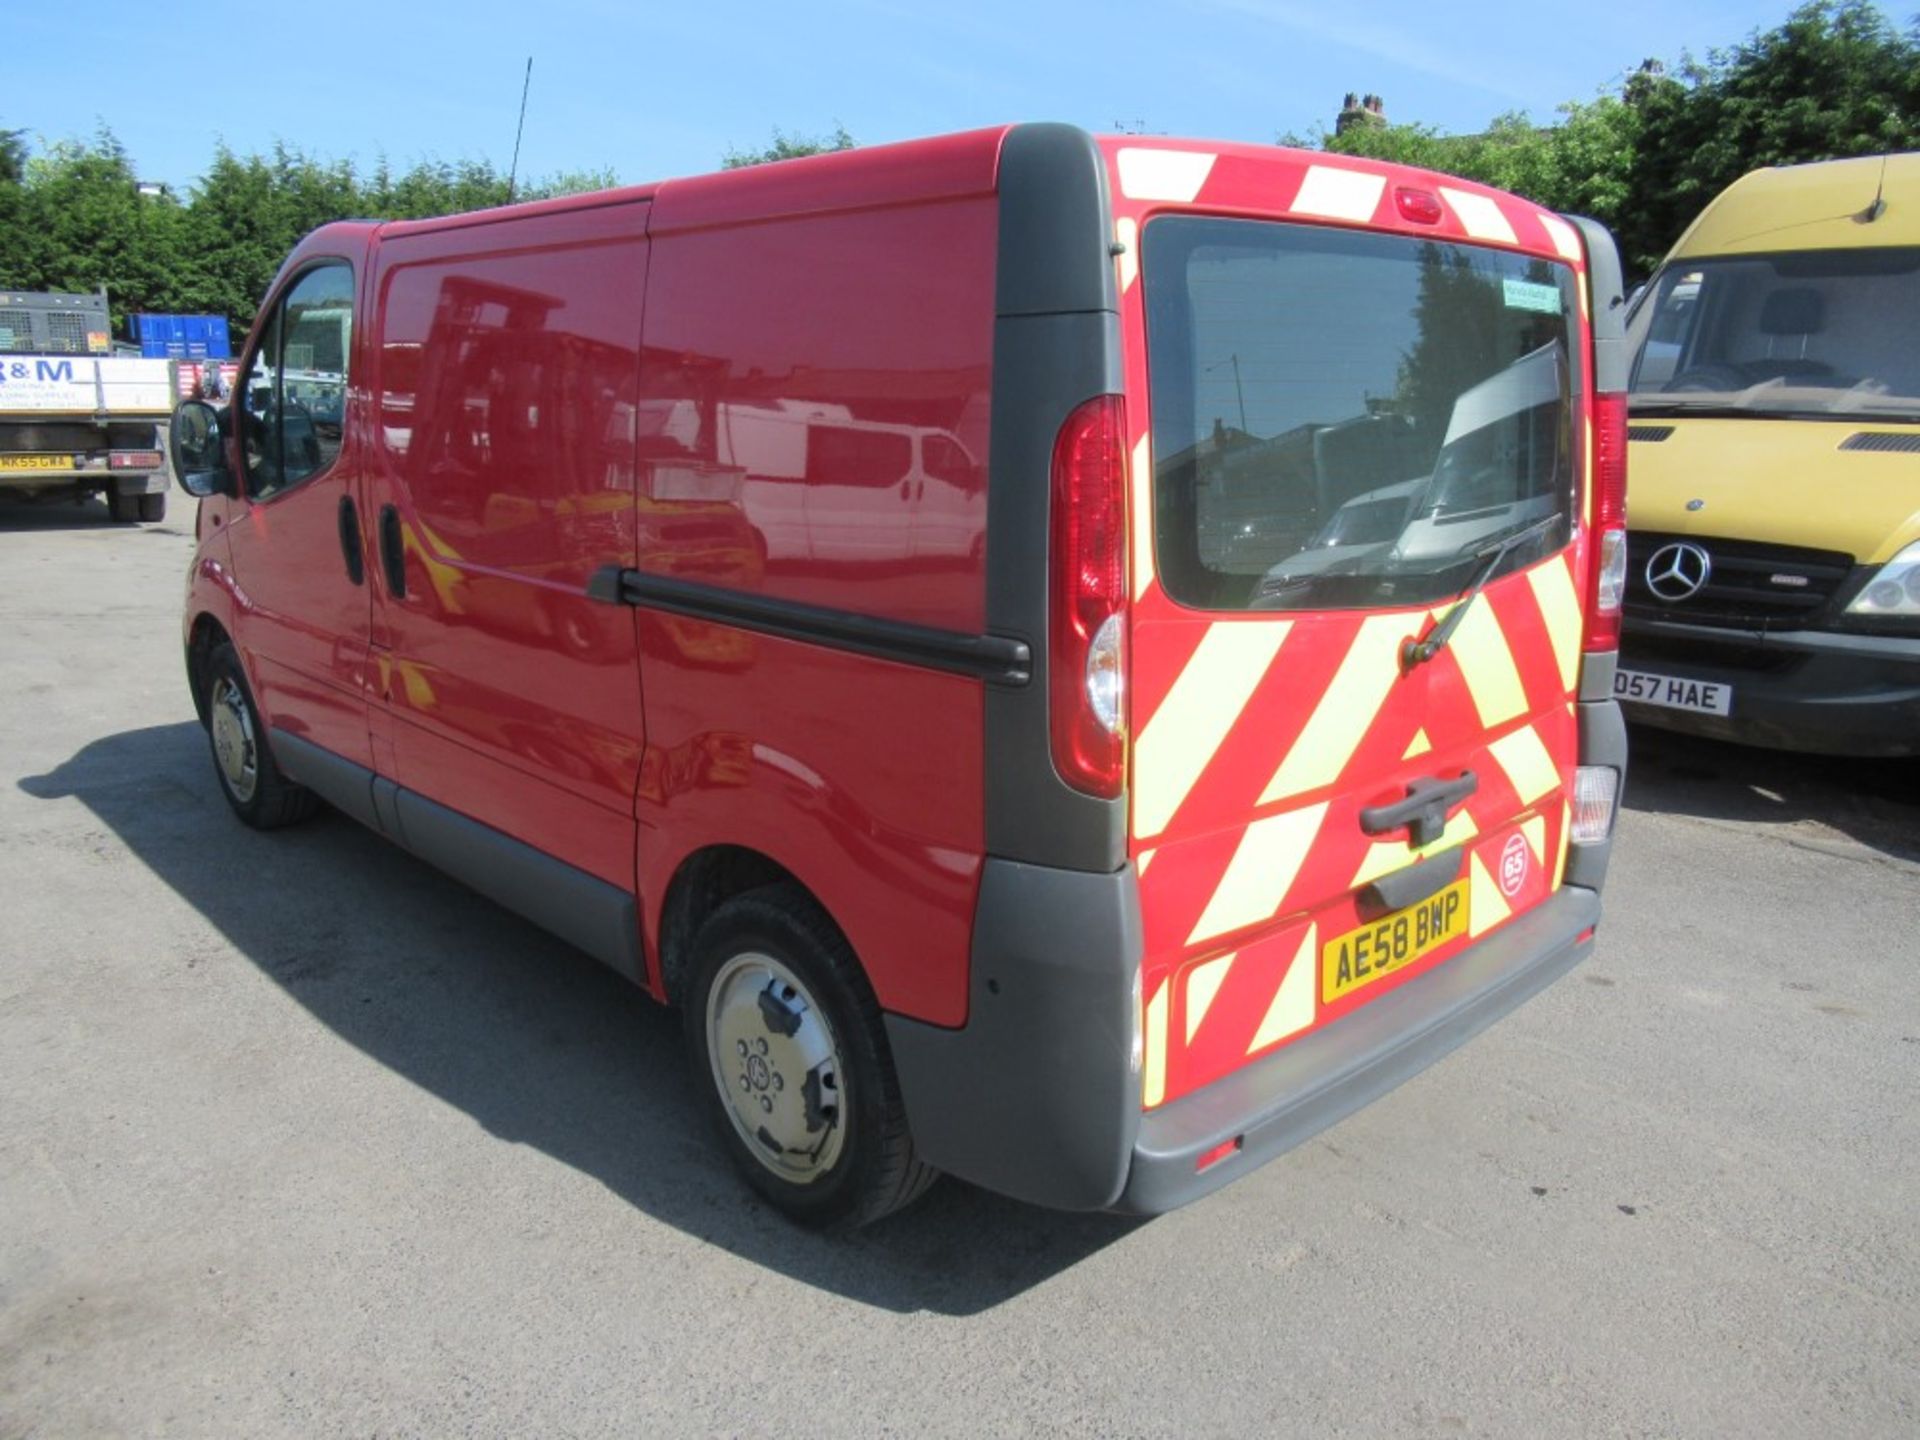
point(791, 1061)
point(153, 508)
point(124, 508)
point(259, 794)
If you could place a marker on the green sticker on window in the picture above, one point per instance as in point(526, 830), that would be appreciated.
point(1531, 295)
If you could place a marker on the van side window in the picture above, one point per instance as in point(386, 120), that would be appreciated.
point(294, 403)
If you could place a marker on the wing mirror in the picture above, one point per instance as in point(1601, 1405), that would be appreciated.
point(198, 451)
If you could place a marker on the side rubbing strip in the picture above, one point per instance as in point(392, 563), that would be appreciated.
point(1339, 194)
point(1178, 743)
point(1173, 175)
point(994, 658)
point(1479, 216)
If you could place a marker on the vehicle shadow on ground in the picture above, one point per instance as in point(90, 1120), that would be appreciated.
point(535, 1041)
point(90, 514)
point(1873, 803)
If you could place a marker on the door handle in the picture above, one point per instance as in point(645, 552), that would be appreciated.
point(350, 541)
point(1424, 810)
point(393, 555)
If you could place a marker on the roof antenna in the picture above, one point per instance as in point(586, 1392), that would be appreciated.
point(1879, 206)
point(520, 129)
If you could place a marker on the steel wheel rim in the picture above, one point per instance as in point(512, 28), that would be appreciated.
point(777, 1065)
point(233, 743)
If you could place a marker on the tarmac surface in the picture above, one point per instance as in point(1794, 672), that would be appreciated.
point(298, 1137)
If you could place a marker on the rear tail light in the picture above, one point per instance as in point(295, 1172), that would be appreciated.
point(1609, 547)
point(1596, 792)
point(133, 460)
point(1087, 662)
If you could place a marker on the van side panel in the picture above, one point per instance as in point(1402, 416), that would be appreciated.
point(813, 423)
point(502, 403)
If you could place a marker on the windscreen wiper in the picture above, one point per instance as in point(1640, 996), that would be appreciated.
point(1415, 652)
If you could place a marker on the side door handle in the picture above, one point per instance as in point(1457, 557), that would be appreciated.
point(1423, 812)
point(350, 541)
point(393, 555)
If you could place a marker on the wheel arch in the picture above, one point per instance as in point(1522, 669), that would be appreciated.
point(203, 636)
point(704, 880)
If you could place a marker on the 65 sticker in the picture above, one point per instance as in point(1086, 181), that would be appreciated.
point(1515, 861)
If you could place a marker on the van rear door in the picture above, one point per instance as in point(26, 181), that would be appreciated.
point(1357, 625)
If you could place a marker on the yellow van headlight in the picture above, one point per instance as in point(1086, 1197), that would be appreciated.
point(1895, 590)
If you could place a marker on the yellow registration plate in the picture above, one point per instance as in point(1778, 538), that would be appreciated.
point(1393, 942)
point(36, 462)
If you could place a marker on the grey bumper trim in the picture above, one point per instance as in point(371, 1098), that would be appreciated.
point(1277, 1103)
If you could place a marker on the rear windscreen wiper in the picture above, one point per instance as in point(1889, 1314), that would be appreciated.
point(1414, 652)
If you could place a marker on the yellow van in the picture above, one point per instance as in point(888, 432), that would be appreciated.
point(1773, 583)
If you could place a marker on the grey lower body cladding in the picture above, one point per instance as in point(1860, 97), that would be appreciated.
point(1037, 1096)
point(581, 909)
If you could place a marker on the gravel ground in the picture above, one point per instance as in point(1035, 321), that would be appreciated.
point(298, 1137)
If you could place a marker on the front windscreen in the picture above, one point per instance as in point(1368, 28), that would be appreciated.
point(1816, 335)
point(1345, 419)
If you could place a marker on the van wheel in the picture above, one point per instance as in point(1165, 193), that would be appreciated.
point(153, 508)
point(125, 509)
point(259, 794)
point(790, 1056)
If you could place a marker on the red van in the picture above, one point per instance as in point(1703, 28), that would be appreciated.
point(1075, 662)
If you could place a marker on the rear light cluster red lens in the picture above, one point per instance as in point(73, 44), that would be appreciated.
point(1608, 551)
point(1087, 662)
point(133, 460)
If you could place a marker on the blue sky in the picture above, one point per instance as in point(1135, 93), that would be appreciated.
point(656, 90)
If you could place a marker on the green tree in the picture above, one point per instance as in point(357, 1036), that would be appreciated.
point(789, 147)
point(13, 156)
point(1836, 79)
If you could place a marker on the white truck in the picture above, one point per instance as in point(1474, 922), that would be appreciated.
point(75, 418)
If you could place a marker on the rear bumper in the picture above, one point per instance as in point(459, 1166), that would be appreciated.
point(1817, 691)
point(1038, 1095)
point(1275, 1104)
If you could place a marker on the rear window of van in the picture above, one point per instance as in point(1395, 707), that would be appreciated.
point(1344, 419)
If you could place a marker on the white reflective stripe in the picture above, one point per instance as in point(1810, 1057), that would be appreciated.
point(1480, 647)
point(1486, 905)
point(1339, 194)
point(1479, 216)
point(1563, 237)
point(1261, 872)
point(1292, 1007)
point(1534, 827)
point(1142, 518)
point(1203, 983)
point(1559, 602)
point(1127, 233)
point(1179, 742)
point(1339, 722)
point(1529, 768)
point(1175, 175)
point(1153, 1084)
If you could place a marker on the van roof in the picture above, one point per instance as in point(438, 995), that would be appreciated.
point(1810, 207)
point(940, 168)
